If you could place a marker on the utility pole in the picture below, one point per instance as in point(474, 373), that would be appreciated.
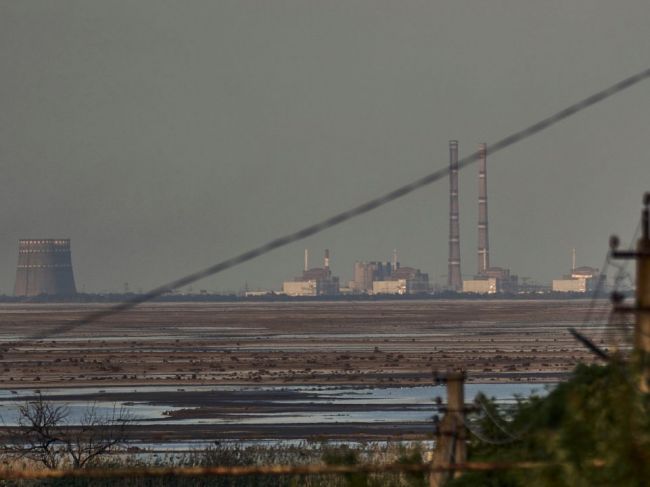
point(641, 356)
point(451, 435)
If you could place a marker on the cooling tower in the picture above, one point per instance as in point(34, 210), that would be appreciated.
point(454, 279)
point(44, 267)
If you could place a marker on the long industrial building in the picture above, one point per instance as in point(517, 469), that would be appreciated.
point(313, 282)
point(44, 268)
point(580, 280)
point(404, 280)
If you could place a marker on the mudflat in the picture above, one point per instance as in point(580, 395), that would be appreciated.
point(329, 343)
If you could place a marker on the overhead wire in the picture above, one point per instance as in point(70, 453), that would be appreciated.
point(485, 439)
point(358, 210)
point(617, 321)
point(493, 419)
point(592, 343)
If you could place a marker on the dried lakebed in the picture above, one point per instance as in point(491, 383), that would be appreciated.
point(301, 412)
point(253, 371)
point(339, 343)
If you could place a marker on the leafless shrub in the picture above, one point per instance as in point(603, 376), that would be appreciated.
point(46, 436)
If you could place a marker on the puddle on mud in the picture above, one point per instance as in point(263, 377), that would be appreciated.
point(418, 403)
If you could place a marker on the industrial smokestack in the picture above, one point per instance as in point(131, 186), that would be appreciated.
point(483, 241)
point(454, 279)
point(44, 267)
point(326, 262)
point(306, 260)
point(573, 260)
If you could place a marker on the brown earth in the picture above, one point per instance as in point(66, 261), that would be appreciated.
point(329, 343)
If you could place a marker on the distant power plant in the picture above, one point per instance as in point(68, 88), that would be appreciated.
point(44, 267)
point(374, 277)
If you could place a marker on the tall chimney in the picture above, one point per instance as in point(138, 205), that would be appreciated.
point(454, 279)
point(326, 262)
point(483, 241)
point(573, 260)
point(306, 260)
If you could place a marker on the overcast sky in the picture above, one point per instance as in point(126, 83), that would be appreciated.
point(162, 136)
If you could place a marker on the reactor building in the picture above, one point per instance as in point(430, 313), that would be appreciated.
point(403, 280)
point(582, 279)
point(366, 273)
point(377, 277)
point(44, 268)
point(313, 282)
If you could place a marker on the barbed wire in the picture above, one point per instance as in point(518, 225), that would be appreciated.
point(605, 332)
point(597, 291)
point(499, 423)
point(617, 321)
point(361, 209)
point(483, 437)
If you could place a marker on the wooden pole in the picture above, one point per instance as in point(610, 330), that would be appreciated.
point(642, 328)
point(451, 436)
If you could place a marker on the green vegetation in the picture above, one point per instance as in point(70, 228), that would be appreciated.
point(595, 429)
point(233, 455)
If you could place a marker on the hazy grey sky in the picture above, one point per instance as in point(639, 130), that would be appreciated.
point(162, 136)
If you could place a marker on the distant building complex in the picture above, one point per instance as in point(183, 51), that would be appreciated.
point(492, 280)
point(373, 277)
point(366, 273)
point(388, 278)
point(403, 280)
point(44, 268)
point(45, 265)
point(581, 279)
point(313, 282)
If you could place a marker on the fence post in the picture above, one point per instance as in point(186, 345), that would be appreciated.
point(451, 435)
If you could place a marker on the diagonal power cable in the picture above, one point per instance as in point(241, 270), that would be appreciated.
point(366, 207)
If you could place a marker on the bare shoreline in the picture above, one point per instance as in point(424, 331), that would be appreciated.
point(340, 343)
point(381, 344)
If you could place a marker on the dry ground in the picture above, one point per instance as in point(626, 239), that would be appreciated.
point(362, 343)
